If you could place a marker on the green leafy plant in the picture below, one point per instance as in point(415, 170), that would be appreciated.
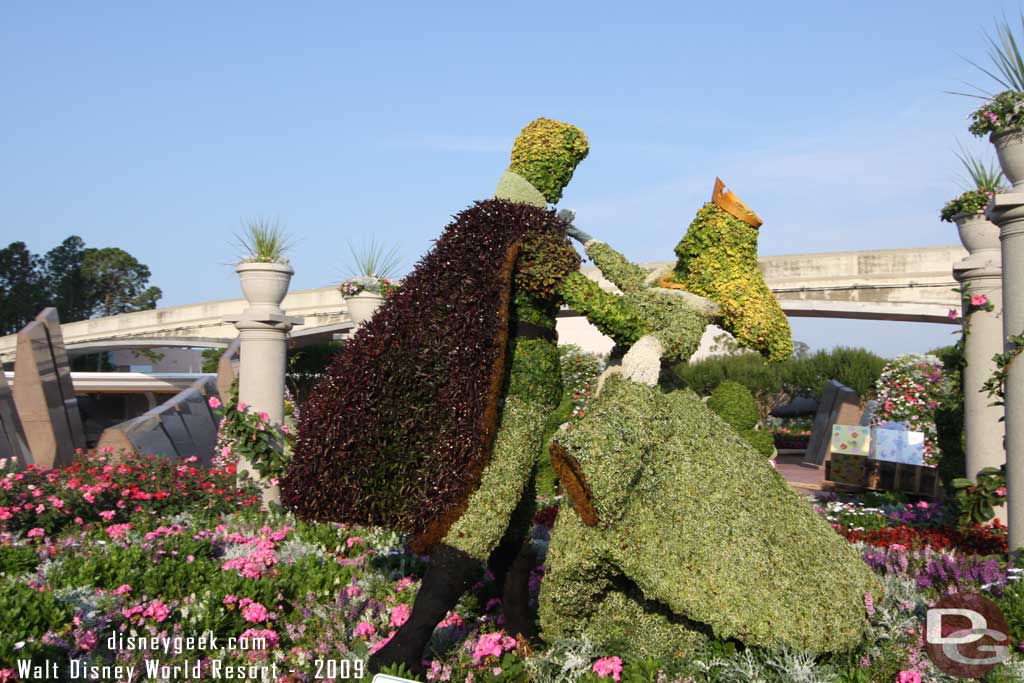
point(970, 203)
point(977, 501)
point(987, 177)
point(264, 242)
point(253, 438)
point(995, 385)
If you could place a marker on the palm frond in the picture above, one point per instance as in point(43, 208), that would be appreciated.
point(1007, 63)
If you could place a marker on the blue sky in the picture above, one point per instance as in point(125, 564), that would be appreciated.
point(158, 128)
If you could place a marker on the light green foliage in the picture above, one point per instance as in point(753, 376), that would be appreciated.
point(515, 188)
point(761, 439)
point(546, 154)
point(735, 404)
point(480, 528)
point(535, 377)
point(718, 259)
point(609, 313)
point(677, 325)
point(619, 270)
point(708, 530)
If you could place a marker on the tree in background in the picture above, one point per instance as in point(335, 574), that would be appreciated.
point(79, 282)
point(22, 291)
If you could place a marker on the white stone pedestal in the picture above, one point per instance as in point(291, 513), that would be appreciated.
point(983, 430)
point(263, 348)
point(1007, 211)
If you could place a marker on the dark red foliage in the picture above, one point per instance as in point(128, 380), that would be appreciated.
point(400, 429)
point(546, 517)
point(989, 539)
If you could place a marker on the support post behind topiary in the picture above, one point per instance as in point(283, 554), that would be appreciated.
point(981, 274)
point(1007, 211)
point(263, 340)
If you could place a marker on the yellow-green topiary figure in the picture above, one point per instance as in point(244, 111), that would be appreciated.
point(717, 258)
point(546, 153)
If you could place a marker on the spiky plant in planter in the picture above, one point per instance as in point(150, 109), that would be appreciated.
point(1001, 117)
point(982, 181)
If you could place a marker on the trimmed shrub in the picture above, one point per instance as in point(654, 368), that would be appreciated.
point(718, 259)
point(399, 431)
point(734, 403)
point(762, 440)
point(692, 522)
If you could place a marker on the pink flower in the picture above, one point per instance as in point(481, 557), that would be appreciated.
point(255, 612)
point(1001, 491)
point(492, 645)
point(908, 677)
point(230, 599)
point(364, 629)
point(122, 589)
point(993, 119)
point(264, 416)
point(158, 610)
point(108, 515)
point(215, 402)
point(608, 666)
point(399, 615)
point(352, 540)
point(38, 532)
point(953, 314)
point(979, 300)
point(242, 406)
point(381, 643)
point(116, 531)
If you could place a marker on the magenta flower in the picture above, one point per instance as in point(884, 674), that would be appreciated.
point(255, 612)
point(400, 615)
point(953, 314)
point(908, 677)
point(364, 629)
point(215, 402)
point(608, 666)
point(979, 300)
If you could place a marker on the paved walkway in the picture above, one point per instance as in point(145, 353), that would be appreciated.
point(799, 477)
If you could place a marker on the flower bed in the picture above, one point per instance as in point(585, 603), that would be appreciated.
point(107, 550)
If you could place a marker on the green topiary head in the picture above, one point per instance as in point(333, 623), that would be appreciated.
point(546, 154)
point(735, 404)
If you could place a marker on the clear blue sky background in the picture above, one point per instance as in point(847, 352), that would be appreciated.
point(157, 128)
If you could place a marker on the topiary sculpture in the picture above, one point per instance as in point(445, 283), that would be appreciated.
point(718, 259)
point(432, 418)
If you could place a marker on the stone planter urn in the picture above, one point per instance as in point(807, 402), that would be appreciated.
point(362, 306)
point(264, 285)
point(977, 232)
point(1010, 150)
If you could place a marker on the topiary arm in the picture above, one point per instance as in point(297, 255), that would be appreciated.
point(608, 312)
point(619, 270)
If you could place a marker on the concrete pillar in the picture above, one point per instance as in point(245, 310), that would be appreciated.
point(983, 431)
point(1007, 211)
point(263, 346)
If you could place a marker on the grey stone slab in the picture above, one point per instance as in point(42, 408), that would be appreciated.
point(38, 398)
point(200, 423)
point(839, 405)
point(62, 367)
point(147, 435)
point(12, 436)
point(175, 428)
